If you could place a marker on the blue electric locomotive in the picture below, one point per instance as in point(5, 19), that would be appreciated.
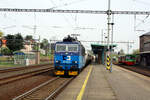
point(69, 57)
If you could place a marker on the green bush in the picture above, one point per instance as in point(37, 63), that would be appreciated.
point(5, 51)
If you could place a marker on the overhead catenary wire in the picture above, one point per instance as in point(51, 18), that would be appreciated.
point(66, 19)
point(62, 15)
point(65, 4)
point(142, 21)
point(142, 2)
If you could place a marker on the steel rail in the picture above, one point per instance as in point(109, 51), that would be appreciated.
point(22, 67)
point(34, 89)
point(22, 76)
point(55, 93)
point(51, 96)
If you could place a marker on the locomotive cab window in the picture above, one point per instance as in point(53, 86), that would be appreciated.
point(66, 48)
point(60, 48)
point(130, 57)
point(72, 48)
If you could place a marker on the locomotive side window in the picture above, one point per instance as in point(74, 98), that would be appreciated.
point(130, 57)
point(73, 48)
point(60, 48)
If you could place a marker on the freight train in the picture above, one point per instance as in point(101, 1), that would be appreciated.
point(70, 57)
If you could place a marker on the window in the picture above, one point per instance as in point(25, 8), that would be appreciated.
point(130, 57)
point(73, 48)
point(60, 48)
point(66, 48)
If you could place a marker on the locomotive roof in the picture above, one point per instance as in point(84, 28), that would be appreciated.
point(146, 34)
point(99, 47)
point(74, 42)
point(69, 40)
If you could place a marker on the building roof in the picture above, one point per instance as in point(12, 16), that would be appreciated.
point(103, 45)
point(146, 34)
point(100, 47)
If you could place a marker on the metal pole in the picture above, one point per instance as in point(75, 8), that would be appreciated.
point(134, 23)
point(34, 29)
point(112, 40)
point(108, 23)
point(108, 18)
point(112, 29)
point(102, 36)
point(50, 52)
point(128, 47)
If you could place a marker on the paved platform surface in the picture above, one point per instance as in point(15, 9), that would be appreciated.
point(97, 87)
point(121, 84)
point(129, 85)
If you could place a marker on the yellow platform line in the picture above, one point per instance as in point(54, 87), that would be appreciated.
point(79, 97)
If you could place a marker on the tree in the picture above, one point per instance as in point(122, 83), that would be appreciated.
point(136, 51)
point(45, 45)
point(29, 37)
point(5, 51)
point(121, 52)
point(1, 33)
point(14, 42)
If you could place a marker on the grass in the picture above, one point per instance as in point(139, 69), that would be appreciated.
point(46, 56)
point(8, 62)
point(2, 65)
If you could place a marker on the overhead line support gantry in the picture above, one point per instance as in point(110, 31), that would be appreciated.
point(74, 11)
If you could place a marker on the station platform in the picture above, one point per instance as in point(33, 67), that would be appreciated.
point(97, 83)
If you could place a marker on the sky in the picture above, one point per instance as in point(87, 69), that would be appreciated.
point(56, 26)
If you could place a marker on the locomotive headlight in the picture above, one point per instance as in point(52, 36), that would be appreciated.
point(57, 61)
point(74, 62)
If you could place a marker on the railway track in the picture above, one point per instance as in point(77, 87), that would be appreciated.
point(137, 69)
point(46, 91)
point(8, 76)
point(4, 70)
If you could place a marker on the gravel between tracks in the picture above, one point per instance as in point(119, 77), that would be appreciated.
point(11, 90)
point(46, 90)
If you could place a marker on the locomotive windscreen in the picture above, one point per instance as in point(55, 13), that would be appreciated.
point(66, 48)
point(61, 48)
